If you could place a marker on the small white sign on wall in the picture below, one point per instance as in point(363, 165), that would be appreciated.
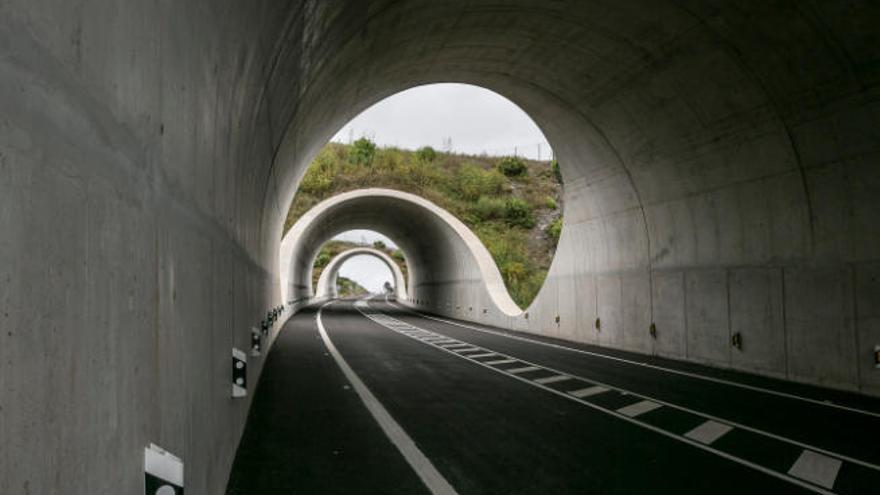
point(163, 472)
point(239, 373)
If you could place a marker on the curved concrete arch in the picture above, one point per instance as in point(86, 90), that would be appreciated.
point(327, 281)
point(448, 265)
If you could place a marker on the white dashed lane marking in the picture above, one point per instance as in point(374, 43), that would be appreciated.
point(552, 379)
point(708, 432)
point(524, 369)
point(638, 408)
point(817, 471)
point(816, 468)
point(587, 392)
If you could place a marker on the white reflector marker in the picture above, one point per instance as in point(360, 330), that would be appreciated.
point(256, 341)
point(239, 373)
point(163, 472)
point(816, 468)
point(708, 432)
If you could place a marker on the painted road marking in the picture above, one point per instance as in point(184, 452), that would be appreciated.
point(734, 424)
point(467, 349)
point(552, 379)
point(524, 369)
point(587, 392)
point(816, 468)
point(485, 354)
point(638, 408)
point(433, 480)
point(674, 435)
point(501, 361)
point(708, 432)
point(646, 365)
point(451, 346)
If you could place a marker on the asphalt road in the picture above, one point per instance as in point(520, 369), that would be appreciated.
point(368, 398)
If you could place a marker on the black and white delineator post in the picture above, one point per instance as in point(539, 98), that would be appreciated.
point(163, 472)
point(239, 373)
point(256, 341)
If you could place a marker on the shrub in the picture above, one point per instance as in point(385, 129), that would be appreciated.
point(488, 208)
point(512, 166)
point(378, 244)
point(550, 203)
point(554, 230)
point(398, 255)
point(518, 213)
point(323, 258)
point(426, 154)
point(554, 167)
point(473, 181)
point(362, 151)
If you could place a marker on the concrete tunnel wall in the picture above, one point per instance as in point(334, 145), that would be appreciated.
point(327, 282)
point(445, 260)
point(721, 175)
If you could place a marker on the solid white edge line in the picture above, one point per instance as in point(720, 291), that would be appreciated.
point(646, 365)
point(433, 480)
point(700, 414)
point(637, 422)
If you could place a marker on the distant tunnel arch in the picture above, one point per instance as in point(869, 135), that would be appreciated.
point(326, 287)
point(448, 265)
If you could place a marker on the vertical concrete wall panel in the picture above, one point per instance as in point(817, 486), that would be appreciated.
point(757, 314)
point(707, 316)
point(819, 325)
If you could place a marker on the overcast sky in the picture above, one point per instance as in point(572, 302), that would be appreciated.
point(474, 119)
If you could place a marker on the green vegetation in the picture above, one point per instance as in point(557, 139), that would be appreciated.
point(554, 230)
point(347, 287)
point(554, 169)
point(511, 204)
point(512, 166)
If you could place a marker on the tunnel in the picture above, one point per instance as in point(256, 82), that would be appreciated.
point(450, 270)
point(720, 175)
point(327, 282)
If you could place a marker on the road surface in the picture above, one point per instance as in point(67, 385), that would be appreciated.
point(365, 397)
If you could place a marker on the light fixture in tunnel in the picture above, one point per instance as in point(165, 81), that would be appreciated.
point(163, 472)
point(239, 373)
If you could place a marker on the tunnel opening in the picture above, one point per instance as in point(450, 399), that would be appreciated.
point(367, 275)
point(496, 173)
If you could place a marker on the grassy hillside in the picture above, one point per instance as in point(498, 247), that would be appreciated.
point(514, 206)
point(349, 288)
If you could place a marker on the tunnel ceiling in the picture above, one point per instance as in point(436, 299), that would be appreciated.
point(648, 104)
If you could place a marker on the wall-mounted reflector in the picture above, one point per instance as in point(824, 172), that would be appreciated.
point(256, 341)
point(239, 373)
point(163, 472)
